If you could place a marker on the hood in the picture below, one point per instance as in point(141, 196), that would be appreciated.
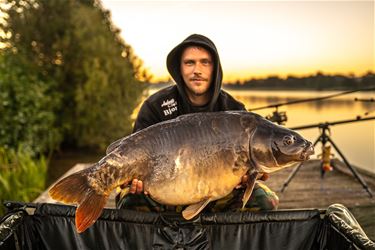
point(173, 65)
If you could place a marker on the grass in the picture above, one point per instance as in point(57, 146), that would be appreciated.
point(22, 177)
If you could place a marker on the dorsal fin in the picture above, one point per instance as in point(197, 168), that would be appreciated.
point(113, 146)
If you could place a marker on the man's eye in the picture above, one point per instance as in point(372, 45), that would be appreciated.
point(189, 62)
point(206, 62)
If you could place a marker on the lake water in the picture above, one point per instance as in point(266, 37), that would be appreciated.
point(355, 140)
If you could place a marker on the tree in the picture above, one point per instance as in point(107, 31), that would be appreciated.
point(74, 45)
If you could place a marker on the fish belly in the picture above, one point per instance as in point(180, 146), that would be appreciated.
point(195, 176)
point(199, 157)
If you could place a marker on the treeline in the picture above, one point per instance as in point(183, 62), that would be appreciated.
point(66, 76)
point(319, 81)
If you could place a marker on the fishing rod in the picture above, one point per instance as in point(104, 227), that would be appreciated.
point(312, 99)
point(280, 117)
point(364, 100)
point(327, 124)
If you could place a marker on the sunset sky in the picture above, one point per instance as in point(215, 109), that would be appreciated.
point(254, 38)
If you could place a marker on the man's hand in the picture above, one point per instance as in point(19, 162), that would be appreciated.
point(245, 178)
point(265, 177)
point(136, 187)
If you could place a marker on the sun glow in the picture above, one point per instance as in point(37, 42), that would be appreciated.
point(254, 38)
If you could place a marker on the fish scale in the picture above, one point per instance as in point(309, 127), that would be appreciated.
point(191, 160)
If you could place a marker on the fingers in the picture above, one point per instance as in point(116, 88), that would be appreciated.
point(139, 187)
point(133, 186)
point(136, 186)
point(245, 178)
point(265, 177)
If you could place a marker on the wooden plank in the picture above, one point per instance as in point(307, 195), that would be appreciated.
point(308, 189)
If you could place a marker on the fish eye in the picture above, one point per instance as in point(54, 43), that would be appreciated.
point(288, 140)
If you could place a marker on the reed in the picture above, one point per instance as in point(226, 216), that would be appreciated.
point(22, 177)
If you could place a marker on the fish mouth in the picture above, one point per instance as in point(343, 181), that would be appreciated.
point(307, 152)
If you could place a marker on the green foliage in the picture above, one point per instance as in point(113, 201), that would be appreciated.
point(108, 92)
point(83, 71)
point(22, 177)
point(26, 108)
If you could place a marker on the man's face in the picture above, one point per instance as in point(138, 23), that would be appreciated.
point(196, 70)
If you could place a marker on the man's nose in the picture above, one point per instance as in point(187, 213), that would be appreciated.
point(197, 69)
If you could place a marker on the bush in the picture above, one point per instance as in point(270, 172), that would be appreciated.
point(27, 107)
point(22, 177)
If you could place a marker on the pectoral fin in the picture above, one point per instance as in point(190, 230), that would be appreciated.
point(195, 209)
point(249, 189)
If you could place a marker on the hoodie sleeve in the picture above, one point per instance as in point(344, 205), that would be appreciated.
point(146, 117)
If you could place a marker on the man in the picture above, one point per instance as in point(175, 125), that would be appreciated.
point(195, 66)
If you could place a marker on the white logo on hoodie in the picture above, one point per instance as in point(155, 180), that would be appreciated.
point(170, 106)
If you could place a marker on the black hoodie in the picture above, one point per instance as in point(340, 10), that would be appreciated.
point(172, 101)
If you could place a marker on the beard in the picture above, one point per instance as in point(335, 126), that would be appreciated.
point(199, 93)
point(196, 92)
point(198, 89)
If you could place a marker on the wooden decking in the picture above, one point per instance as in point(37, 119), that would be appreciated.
point(306, 190)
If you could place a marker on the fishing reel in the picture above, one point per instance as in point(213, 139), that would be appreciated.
point(279, 117)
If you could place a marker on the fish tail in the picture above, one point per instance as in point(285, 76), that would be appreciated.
point(76, 189)
point(89, 210)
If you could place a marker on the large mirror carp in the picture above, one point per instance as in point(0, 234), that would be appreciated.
point(190, 160)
